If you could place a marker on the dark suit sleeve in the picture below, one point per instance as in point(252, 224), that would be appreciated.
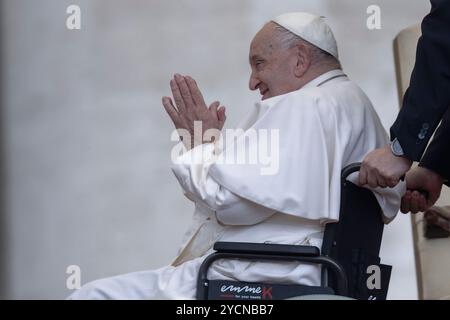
point(437, 156)
point(428, 95)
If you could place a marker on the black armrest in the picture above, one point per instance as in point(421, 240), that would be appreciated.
point(267, 249)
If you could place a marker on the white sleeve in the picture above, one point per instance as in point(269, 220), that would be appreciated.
point(191, 170)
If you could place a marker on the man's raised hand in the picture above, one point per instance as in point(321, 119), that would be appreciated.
point(191, 107)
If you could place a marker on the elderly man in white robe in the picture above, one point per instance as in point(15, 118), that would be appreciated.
point(324, 122)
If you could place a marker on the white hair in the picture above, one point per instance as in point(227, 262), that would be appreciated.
point(290, 40)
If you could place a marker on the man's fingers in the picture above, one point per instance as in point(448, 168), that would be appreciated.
point(414, 202)
point(406, 202)
point(185, 93)
point(372, 180)
point(362, 176)
point(177, 96)
point(392, 182)
point(218, 112)
point(221, 114)
point(420, 201)
point(222, 117)
point(171, 110)
point(213, 108)
point(423, 205)
point(371, 177)
point(403, 206)
point(381, 182)
point(195, 92)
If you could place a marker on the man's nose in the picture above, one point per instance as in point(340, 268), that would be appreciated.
point(253, 83)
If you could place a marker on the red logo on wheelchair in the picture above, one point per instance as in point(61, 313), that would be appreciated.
point(267, 293)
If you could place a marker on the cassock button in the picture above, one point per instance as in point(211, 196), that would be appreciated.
point(423, 131)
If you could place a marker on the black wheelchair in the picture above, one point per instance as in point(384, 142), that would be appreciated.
point(349, 257)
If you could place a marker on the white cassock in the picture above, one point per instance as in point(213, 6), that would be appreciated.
point(326, 125)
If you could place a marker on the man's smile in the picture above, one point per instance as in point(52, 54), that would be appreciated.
point(263, 93)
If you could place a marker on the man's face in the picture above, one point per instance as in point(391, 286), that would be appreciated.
point(272, 65)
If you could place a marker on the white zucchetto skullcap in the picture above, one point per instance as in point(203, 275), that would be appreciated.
point(311, 28)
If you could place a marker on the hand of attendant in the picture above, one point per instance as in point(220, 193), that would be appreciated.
point(191, 107)
point(418, 181)
point(381, 168)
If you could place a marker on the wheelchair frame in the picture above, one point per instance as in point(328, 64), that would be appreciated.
point(344, 265)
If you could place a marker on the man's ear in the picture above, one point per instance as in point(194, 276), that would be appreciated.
point(303, 56)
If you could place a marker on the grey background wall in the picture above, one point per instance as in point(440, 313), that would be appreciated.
point(86, 142)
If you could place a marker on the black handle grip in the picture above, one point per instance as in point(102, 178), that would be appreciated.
point(348, 170)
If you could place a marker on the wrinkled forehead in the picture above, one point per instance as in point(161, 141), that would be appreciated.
point(265, 41)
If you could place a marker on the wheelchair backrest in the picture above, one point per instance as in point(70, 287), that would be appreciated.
point(355, 241)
